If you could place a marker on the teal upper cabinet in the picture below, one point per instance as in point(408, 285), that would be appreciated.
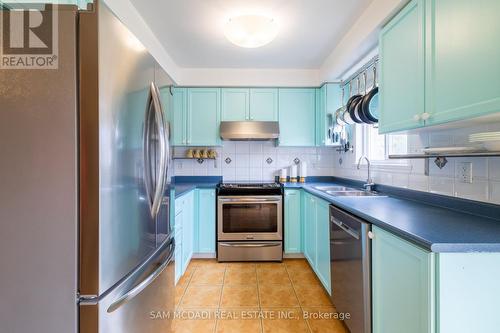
point(463, 74)
point(203, 116)
point(178, 117)
point(235, 104)
point(328, 100)
point(205, 222)
point(243, 104)
point(264, 104)
point(292, 221)
point(297, 108)
point(321, 117)
point(439, 64)
point(402, 56)
point(402, 286)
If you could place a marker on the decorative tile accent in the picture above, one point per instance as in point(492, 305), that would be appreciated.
point(269, 160)
point(296, 160)
point(228, 160)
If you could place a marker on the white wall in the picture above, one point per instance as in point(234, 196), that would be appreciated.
point(129, 16)
point(248, 161)
point(485, 171)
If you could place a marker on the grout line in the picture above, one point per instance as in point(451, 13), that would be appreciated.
point(187, 286)
point(220, 298)
point(258, 298)
point(298, 299)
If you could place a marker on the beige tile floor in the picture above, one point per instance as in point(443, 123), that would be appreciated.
point(283, 297)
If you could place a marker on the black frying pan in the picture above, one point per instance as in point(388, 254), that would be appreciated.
point(369, 105)
point(354, 108)
point(351, 104)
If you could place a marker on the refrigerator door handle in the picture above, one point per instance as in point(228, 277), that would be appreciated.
point(147, 153)
point(129, 295)
point(162, 140)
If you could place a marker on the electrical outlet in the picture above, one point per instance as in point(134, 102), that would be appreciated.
point(464, 172)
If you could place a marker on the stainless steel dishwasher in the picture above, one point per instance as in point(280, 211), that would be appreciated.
point(350, 255)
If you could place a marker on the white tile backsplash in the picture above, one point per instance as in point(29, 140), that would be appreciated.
point(249, 161)
point(485, 171)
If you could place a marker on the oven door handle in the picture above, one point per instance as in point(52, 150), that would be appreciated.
point(254, 200)
point(249, 244)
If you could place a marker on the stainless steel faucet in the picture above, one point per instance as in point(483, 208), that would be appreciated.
point(369, 182)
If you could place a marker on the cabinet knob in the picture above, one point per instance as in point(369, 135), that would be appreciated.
point(416, 117)
point(425, 116)
point(371, 235)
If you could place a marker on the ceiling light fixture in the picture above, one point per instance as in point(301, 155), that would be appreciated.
point(251, 31)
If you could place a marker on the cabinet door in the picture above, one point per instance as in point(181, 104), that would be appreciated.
point(463, 75)
point(310, 229)
point(264, 104)
point(297, 117)
point(178, 117)
point(178, 255)
point(402, 69)
point(292, 222)
point(235, 104)
point(402, 285)
point(187, 230)
point(206, 221)
point(323, 243)
point(203, 117)
point(321, 116)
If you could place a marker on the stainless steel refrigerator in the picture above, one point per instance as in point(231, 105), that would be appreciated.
point(85, 237)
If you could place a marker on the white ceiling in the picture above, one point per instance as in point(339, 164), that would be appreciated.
point(191, 31)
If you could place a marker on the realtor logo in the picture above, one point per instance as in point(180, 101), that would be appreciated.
point(29, 37)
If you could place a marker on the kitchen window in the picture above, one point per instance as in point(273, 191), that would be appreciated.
point(377, 147)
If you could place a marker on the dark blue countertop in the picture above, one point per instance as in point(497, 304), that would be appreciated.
point(185, 184)
point(433, 227)
point(434, 222)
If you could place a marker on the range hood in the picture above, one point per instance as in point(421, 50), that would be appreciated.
point(249, 130)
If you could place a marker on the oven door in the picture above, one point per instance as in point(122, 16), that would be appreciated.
point(250, 218)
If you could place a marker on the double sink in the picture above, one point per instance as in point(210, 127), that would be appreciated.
point(343, 191)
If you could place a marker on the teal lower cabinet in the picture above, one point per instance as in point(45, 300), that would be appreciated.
point(205, 222)
point(467, 292)
point(178, 254)
point(293, 241)
point(417, 291)
point(323, 243)
point(317, 237)
point(194, 227)
point(187, 230)
point(184, 230)
point(309, 222)
point(402, 285)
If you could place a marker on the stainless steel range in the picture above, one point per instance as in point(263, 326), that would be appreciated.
point(250, 222)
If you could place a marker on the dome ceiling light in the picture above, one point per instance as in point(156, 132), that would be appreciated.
point(251, 31)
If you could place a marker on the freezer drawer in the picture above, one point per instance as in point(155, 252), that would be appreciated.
point(250, 251)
